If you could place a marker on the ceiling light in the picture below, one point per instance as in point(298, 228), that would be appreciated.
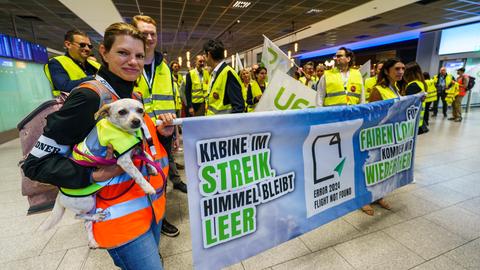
point(241, 4)
point(225, 53)
point(188, 55)
point(314, 11)
point(295, 47)
point(180, 61)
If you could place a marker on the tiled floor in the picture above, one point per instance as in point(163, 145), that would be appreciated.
point(434, 223)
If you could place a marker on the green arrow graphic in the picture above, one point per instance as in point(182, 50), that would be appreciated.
point(339, 167)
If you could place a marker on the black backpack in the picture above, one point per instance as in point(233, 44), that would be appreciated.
point(471, 83)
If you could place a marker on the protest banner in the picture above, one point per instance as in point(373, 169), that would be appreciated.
point(258, 180)
point(285, 93)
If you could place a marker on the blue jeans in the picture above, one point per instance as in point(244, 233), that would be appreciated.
point(141, 253)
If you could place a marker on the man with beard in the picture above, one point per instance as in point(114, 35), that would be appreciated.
point(342, 85)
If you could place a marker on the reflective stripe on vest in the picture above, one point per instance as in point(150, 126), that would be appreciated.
point(126, 208)
point(431, 91)
point(130, 213)
point(160, 98)
point(199, 87)
point(215, 105)
point(73, 70)
point(338, 94)
point(422, 112)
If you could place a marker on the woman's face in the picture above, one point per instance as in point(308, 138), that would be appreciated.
point(126, 57)
point(396, 71)
point(262, 75)
point(245, 76)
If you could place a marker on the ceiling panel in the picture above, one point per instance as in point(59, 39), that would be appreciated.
point(186, 28)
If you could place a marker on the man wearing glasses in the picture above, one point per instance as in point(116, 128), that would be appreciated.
point(342, 85)
point(68, 71)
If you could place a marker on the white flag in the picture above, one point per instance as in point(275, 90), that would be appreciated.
point(238, 63)
point(365, 70)
point(285, 93)
point(273, 58)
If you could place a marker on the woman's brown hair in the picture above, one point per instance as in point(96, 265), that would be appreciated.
point(120, 29)
point(413, 72)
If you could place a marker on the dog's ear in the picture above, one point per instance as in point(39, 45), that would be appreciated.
point(103, 112)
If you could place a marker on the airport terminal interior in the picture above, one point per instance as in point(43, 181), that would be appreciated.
point(431, 219)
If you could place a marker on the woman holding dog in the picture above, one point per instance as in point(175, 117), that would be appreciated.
point(131, 228)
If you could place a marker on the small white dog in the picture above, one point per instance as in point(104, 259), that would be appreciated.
point(127, 116)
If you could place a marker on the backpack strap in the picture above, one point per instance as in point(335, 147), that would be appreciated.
point(105, 95)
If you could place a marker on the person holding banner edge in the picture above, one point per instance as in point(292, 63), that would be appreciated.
point(225, 88)
point(132, 238)
point(386, 88)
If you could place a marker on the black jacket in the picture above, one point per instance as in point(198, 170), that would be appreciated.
point(233, 92)
point(69, 126)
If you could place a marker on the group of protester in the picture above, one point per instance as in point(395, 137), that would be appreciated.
point(131, 68)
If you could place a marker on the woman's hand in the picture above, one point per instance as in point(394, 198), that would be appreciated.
point(103, 173)
point(165, 128)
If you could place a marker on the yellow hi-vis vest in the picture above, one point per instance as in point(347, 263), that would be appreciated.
point(73, 70)
point(431, 91)
point(369, 84)
point(256, 91)
point(161, 97)
point(452, 92)
point(178, 86)
point(199, 87)
point(313, 80)
point(422, 112)
point(387, 92)
point(448, 81)
point(336, 94)
point(95, 144)
point(215, 105)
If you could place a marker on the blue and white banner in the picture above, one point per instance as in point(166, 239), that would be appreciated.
point(258, 180)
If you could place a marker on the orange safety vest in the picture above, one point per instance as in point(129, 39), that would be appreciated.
point(129, 211)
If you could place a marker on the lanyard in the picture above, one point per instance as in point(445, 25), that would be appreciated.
point(394, 90)
point(345, 79)
point(150, 80)
point(107, 85)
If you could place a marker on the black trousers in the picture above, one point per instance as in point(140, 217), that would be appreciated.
point(440, 96)
point(427, 113)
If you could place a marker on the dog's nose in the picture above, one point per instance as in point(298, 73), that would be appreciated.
point(136, 123)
